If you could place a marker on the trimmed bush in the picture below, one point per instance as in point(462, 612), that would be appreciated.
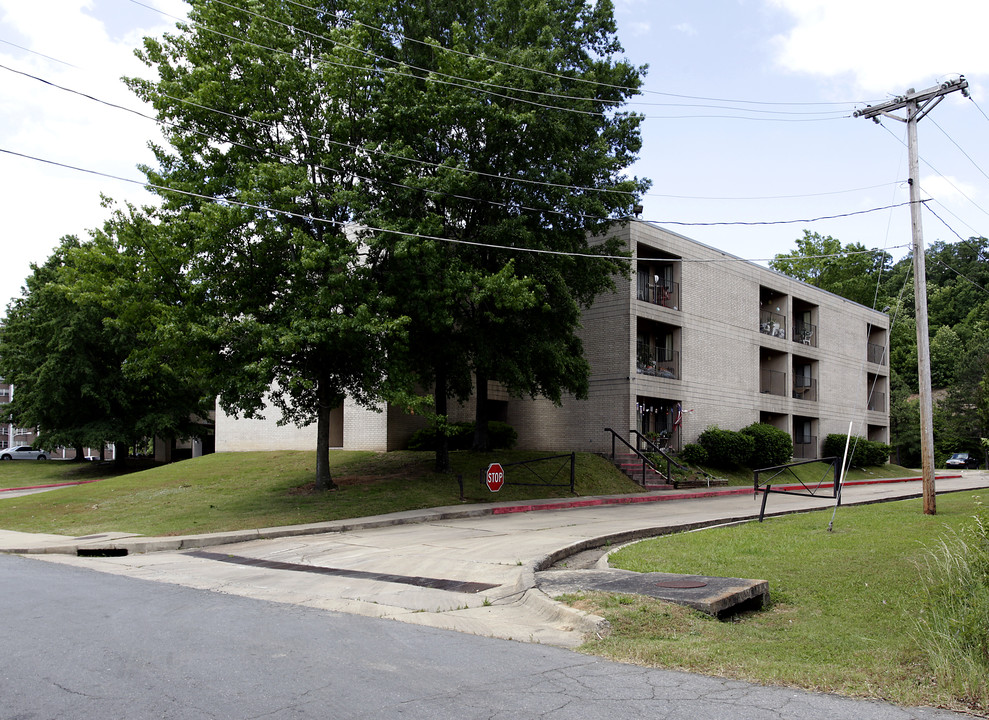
point(864, 452)
point(693, 454)
point(502, 435)
point(725, 448)
point(772, 446)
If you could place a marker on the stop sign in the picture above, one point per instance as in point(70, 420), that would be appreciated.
point(495, 477)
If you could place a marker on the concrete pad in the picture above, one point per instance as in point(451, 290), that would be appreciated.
point(717, 596)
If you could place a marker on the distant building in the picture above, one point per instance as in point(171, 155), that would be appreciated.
point(695, 337)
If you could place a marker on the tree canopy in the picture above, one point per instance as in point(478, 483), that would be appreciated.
point(356, 183)
point(98, 345)
point(958, 315)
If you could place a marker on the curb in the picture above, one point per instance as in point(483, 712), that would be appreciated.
point(141, 545)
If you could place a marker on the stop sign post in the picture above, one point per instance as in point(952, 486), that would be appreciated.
point(494, 478)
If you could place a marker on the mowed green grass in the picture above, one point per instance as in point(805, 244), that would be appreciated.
point(235, 491)
point(843, 607)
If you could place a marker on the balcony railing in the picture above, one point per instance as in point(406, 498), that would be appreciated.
point(771, 323)
point(658, 362)
point(805, 333)
point(877, 354)
point(805, 447)
point(665, 294)
point(877, 401)
point(772, 382)
point(804, 388)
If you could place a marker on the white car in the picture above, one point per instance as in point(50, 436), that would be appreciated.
point(23, 452)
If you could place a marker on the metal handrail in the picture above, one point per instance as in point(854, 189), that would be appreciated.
point(638, 453)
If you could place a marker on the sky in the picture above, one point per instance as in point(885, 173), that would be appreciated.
point(748, 107)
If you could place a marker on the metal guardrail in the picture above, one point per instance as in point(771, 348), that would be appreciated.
point(543, 482)
point(807, 491)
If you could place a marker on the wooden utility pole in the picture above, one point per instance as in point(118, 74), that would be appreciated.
point(917, 105)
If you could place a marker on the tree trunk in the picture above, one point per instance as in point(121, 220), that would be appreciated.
point(80, 453)
point(482, 441)
point(442, 439)
point(120, 454)
point(325, 406)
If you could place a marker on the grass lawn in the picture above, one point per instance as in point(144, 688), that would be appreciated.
point(842, 610)
point(234, 491)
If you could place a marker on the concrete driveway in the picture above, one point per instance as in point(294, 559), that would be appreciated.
point(471, 569)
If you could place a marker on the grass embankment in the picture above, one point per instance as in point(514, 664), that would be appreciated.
point(235, 491)
point(843, 606)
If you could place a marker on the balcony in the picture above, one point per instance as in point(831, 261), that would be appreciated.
point(664, 294)
point(804, 447)
point(772, 382)
point(877, 402)
point(877, 354)
point(805, 333)
point(804, 388)
point(657, 361)
point(771, 323)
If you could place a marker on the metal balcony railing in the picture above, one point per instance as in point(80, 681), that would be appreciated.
point(804, 388)
point(665, 294)
point(771, 323)
point(877, 354)
point(772, 382)
point(658, 362)
point(805, 333)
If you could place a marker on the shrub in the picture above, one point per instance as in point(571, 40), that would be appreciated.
point(725, 448)
point(502, 435)
point(693, 454)
point(864, 452)
point(772, 445)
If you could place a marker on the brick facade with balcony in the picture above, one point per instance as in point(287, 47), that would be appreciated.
point(690, 329)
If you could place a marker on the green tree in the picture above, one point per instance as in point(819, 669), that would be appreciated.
point(97, 346)
point(524, 151)
point(852, 271)
point(265, 110)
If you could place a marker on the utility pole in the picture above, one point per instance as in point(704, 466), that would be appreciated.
point(917, 105)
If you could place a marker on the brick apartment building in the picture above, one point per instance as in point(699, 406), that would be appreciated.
point(693, 337)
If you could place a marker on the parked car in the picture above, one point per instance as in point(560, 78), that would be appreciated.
point(23, 452)
point(962, 460)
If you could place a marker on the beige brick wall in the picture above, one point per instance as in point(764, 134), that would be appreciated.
point(721, 352)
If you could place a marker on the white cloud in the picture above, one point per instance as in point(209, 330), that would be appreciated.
point(686, 29)
point(884, 46)
point(44, 202)
point(948, 190)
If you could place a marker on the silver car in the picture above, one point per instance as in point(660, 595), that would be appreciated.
point(23, 452)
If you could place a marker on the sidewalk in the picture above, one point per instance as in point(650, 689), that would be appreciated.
point(471, 569)
point(128, 543)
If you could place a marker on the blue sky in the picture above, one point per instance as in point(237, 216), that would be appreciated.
point(772, 139)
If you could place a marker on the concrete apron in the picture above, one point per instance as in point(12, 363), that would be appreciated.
point(473, 574)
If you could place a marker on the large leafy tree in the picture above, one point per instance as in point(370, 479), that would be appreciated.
point(852, 270)
point(264, 108)
point(98, 345)
point(500, 132)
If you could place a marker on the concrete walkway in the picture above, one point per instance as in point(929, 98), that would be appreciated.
point(465, 568)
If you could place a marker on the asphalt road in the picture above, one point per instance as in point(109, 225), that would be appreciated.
point(79, 644)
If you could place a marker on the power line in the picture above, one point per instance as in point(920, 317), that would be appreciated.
point(434, 77)
point(399, 36)
point(421, 236)
point(942, 175)
point(35, 52)
point(960, 149)
point(544, 211)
